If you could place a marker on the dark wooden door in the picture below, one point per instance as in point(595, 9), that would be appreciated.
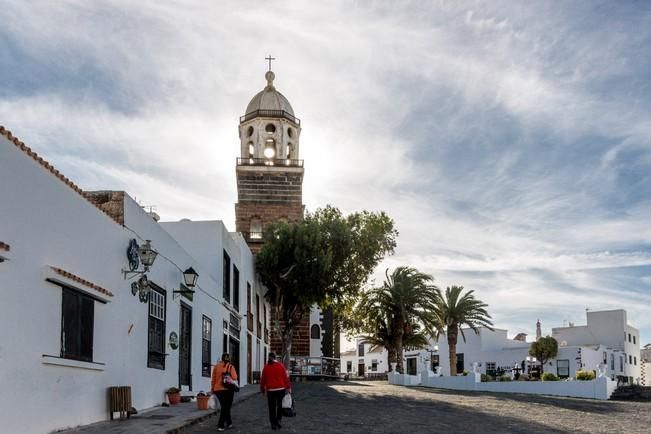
point(234, 351)
point(249, 359)
point(360, 369)
point(185, 346)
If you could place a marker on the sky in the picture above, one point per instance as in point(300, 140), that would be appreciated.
point(510, 141)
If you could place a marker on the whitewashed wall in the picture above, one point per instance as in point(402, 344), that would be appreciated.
point(601, 388)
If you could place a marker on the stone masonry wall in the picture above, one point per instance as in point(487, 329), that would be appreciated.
point(111, 202)
point(300, 341)
point(270, 187)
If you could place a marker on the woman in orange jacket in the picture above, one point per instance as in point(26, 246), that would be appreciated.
point(275, 381)
point(224, 395)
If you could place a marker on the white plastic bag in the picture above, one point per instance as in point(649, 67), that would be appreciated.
point(287, 401)
point(212, 402)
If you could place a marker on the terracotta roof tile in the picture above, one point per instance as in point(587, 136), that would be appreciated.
point(4, 246)
point(81, 280)
point(27, 150)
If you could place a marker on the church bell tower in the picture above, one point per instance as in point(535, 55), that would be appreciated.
point(269, 171)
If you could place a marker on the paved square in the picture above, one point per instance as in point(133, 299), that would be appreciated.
point(376, 407)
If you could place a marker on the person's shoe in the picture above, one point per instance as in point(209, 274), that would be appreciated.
point(230, 426)
point(220, 429)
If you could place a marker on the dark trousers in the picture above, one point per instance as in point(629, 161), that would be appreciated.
point(275, 401)
point(225, 398)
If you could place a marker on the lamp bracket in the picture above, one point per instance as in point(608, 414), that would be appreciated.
point(130, 274)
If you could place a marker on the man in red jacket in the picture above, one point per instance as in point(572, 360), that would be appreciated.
point(275, 381)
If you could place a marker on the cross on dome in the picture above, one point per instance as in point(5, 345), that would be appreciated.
point(270, 59)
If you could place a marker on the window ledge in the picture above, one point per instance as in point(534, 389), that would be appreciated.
point(71, 363)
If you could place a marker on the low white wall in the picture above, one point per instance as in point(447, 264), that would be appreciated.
point(403, 379)
point(601, 388)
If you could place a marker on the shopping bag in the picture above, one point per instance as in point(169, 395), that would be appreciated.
point(212, 402)
point(287, 400)
point(291, 410)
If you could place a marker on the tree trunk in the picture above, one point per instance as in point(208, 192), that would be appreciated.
point(392, 357)
point(286, 338)
point(453, 332)
point(399, 350)
point(292, 318)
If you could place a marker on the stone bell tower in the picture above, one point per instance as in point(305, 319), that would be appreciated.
point(269, 171)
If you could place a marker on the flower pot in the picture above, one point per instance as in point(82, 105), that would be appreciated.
point(174, 398)
point(202, 402)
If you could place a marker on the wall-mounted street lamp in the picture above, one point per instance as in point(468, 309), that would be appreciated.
point(137, 254)
point(190, 279)
point(140, 254)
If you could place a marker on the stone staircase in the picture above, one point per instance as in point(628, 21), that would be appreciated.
point(632, 393)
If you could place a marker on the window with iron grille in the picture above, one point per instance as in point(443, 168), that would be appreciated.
point(77, 320)
point(206, 343)
point(227, 277)
point(156, 329)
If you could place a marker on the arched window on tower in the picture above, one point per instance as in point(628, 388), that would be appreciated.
point(270, 149)
point(315, 331)
point(251, 150)
point(290, 149)
point(255, 232)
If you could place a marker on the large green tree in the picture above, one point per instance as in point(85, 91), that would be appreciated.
point(394, 314)
point(323, 260)
point(455, 310)
point(544, 349)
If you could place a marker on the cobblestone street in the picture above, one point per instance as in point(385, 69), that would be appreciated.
point(376, 407)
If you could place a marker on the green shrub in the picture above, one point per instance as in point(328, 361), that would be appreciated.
point(582, 375)
point(504, 378)
point(485, 378)
point(465, 373)
point(548, 376)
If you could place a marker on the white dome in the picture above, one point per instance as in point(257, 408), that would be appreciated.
point(269, 99)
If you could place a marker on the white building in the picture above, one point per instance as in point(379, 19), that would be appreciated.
point(365, 360)
point(619, 342)
point(73, 327)
point(605, 339)
point(645, 367)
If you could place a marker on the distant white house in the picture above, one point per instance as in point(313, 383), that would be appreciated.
point(606, 338)
point(645, 367)
point(364, 360)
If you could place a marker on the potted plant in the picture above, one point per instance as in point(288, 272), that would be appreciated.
point(202, 400)
point(173, 395)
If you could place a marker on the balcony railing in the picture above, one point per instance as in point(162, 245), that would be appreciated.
point(252, 236)
point(249, 322)
point(278, 162)
point(270, 114)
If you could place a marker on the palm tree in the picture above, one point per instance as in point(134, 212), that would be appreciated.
point(456, 310)
point(395, 312)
